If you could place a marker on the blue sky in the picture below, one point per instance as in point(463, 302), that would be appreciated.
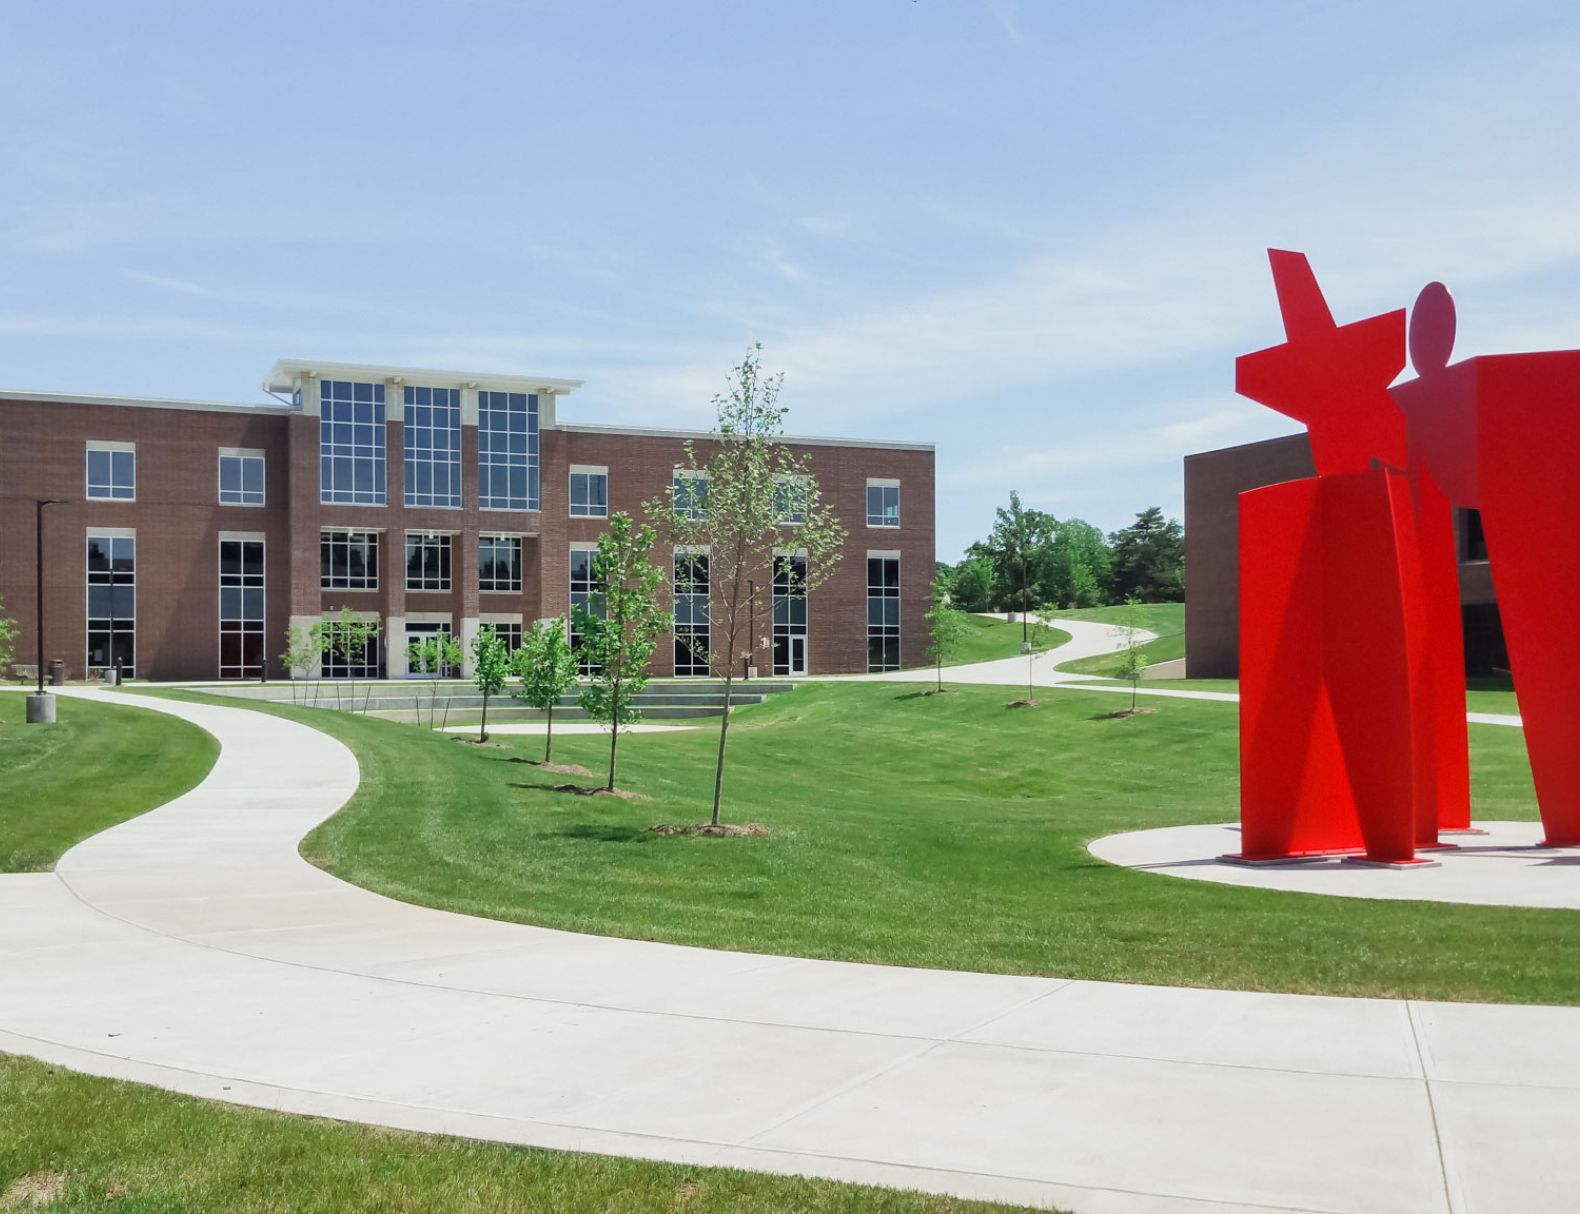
point(1031, 233)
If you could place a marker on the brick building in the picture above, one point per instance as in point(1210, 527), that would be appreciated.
point(1214, 481)
point(188, 535)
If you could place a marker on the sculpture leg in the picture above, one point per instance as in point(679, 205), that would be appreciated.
point(1530, 499)
point(1442, 737)
point(1295, 797)
point(1374, 642)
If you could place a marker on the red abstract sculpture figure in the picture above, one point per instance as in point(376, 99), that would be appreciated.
point(1502, 434)
point(1352, 669)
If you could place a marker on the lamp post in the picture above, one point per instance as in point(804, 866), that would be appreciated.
point(40, 707)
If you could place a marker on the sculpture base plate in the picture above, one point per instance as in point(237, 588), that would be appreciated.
point(1399, 864)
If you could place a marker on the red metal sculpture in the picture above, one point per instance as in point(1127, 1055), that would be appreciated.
point(1353, 737)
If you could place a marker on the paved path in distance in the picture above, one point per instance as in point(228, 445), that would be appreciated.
point(193, 948)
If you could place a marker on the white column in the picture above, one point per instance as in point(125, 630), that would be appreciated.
point(470, 626)
point(395, 664)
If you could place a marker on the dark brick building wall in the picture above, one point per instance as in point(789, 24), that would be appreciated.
point(178, 521)
point(1214, 481)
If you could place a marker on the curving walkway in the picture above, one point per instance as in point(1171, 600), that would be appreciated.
point(194, 948)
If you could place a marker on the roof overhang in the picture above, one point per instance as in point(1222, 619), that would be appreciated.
point(289, 373)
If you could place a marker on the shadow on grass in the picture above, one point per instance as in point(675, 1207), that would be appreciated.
point(600, 832)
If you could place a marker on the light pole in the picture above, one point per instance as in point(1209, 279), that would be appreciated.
point(40, 708)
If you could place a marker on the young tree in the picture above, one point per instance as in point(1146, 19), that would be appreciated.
point(740, 518)
point(304, 649)
point(7, 637)
point(619, 644)
point(490, 669)
point(1149, 559)
point(547, 667)
point(947, 624)
point(435, 657)
point(1132, 658)
point(347, 635)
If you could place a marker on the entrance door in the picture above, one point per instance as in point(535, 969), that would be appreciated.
point(798, 655)
point(421, 632)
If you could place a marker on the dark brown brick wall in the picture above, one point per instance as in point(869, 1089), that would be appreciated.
point(177, 520)
point(1214, 481)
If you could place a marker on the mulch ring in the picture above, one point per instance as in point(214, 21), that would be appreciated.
point(724, 830)
point(559, 769)
point(1023, 704)
point(475, 742)
point(583, 790)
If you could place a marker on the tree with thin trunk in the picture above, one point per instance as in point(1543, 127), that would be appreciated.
point(1133, 657)
point(947, 625)
point(619, 641)
point(7, 637)
point(438, 656)
point(347, 635)
point(752, 503)
point(547, 667)
point(304, 649)
point(490, 669)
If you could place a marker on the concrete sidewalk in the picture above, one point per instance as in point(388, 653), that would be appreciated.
point(193, 948)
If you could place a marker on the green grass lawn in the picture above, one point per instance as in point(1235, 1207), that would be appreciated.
point(943, 831)
point(97, 765)
point(987, 640)
point(1165, 619)
point(83, 1144)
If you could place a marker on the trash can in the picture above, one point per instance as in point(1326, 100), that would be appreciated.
point(57, 673)
point(112, 677)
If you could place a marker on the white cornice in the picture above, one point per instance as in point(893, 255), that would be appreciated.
point(287, 374)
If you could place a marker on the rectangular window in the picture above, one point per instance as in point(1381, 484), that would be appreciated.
point(691, 612)
point(883, 611)
point(585, 594)
point(432, 437)
point(790, 499)
point(112, 602)
point(589, 492)
point(507, 450)
point(499, 562)
point(348, 560)
point(112, 472)
point(790, 634)
point(883, 503)
point(427, 561)
point(691, 494)
point(241, 619)
point(351, 443)
point(240, 477)
point(363, 665)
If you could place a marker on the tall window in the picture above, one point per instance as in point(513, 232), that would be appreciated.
point(790, 499)
point(427, 561)
point(241, 621)
point(351, 435)
point(112, 602)
point(348, 560)
point(584, 593)
point(589, 492)
point(883, 611)
point(883, 503)
point(432, 436)
point(507, 450)
point(364, 665)
point(691, 493)
point(691, 612)
point(240, 477)
point(499, 562)
point(790, 613)
point(112, 472)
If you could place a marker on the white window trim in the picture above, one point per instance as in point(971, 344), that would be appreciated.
point(405, 572)
point(806, 500)
point(521, 551)
point(879, 482)
point(242, 537)
point(586, 470)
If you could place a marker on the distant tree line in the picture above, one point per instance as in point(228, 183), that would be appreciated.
point(1032, 560)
